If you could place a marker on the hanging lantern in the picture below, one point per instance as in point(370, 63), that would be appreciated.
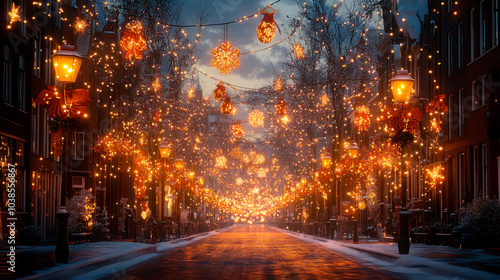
point(278, 84)
point(220, 92)
point(298, 50)
point(80, 25)
point(132, 42)
point(401, 86)
point(256, 118)
point(14, 15)
point(165, 148)
point(226, 107)
point(280, 107)
point(237, 130)
point(353, 150)
point(267, 27)
point(67, 62)
point(362, 119)
point(225, 58)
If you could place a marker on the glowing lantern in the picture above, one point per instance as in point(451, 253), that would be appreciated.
point(280, 107)
point(156, 84)
point(67, 64)
point(267, 27)
point(402, 86)
point(225, 58)
point(14, 14)
point(353, 150)
point(132, 42)
point(219, 91)
point(278, 84)
point(237, 130)
point(226, 107)
point(326, 160)
point(80, 25)
point(362, 119)
point(256, 118)
point(165, 148)
point(179, 164)
point(298, 50)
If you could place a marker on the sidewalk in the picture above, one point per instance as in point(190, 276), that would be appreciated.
point(422, 261)
point(99, 258)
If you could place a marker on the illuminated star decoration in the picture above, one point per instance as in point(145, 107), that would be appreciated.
point(132, 42)
point(156, 84)
point(225, 58)
point(298, 50)
point(256, 118)
point(80, 25)
point(435, 176)
point(362, 119)
point(14, 14)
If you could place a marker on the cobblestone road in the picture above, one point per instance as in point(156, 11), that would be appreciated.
point(254, 252)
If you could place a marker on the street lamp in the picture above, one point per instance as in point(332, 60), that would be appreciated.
point(353, 150)
point(326, 160)
point(402, 87)
point(179, 164)
point(67, 62)
point(165, 148)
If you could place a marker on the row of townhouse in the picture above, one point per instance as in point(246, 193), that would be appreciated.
point(452, 48)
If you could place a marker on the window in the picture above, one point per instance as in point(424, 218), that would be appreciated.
point(484, 171)
point(451, 112)
point(479, 93)
point(21, 87)
point(482, 29)
point(494, 23)
point(37, 52)
point(473, 171)
point(78, 184)
point(450, 6)
point(472, 35)
point(47, 75)
point(460, 49)
point(461, 112)
point(79, 146)
point(45, 133)
point(461, 180)
point(34, 128)
point(450, 53)
point(6, 77)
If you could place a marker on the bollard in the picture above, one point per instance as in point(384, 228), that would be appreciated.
point(355, 236)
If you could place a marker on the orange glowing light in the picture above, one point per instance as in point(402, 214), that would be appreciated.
point(220, 91)
point(225, 58)
point(132, 42)
point(362, 119)
point(237, 130)
point(190, 92)
point(280, 107)
point(256, 118)
point(80, 25)
point(227, 106)
point(156, 84)
point(278, 84)
point(298, 50)
point(435, 176)
point(14, 14)
point(267, 27)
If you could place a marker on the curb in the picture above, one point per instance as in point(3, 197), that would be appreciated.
point(66, 272)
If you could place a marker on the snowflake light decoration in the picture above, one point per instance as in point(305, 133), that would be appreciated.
point(225, 58)
point(80, 25)
point(132, 41)
point(362, 119)
point(256, 118)
point(298, 50)
point(435, 176)
point(14, 14)
point(220, 92)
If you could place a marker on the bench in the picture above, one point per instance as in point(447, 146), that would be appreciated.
point(445, 238)
point(82, 236)
point(421, 237)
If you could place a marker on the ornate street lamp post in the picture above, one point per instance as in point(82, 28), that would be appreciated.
point(352, 152)
point(67, 62)
point(165, 148)
point(179, 165)
point(402, 87)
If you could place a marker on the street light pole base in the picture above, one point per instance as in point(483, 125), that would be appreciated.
point(62, 246)
point(404, 234)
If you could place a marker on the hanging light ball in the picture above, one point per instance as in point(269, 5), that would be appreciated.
point(220, 91)
point(237, 130)
point(132, 41)
point(267, 27)
point(362, 119)
point(280, 107)
point(225, 58)
point(256, 118)
point(226, 107)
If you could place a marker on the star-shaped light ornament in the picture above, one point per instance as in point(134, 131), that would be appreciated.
point(14, 15)
point(225, 58)
point(80, 25)
point(298, 50)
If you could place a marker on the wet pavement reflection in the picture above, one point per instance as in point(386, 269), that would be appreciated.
point(253, 252)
